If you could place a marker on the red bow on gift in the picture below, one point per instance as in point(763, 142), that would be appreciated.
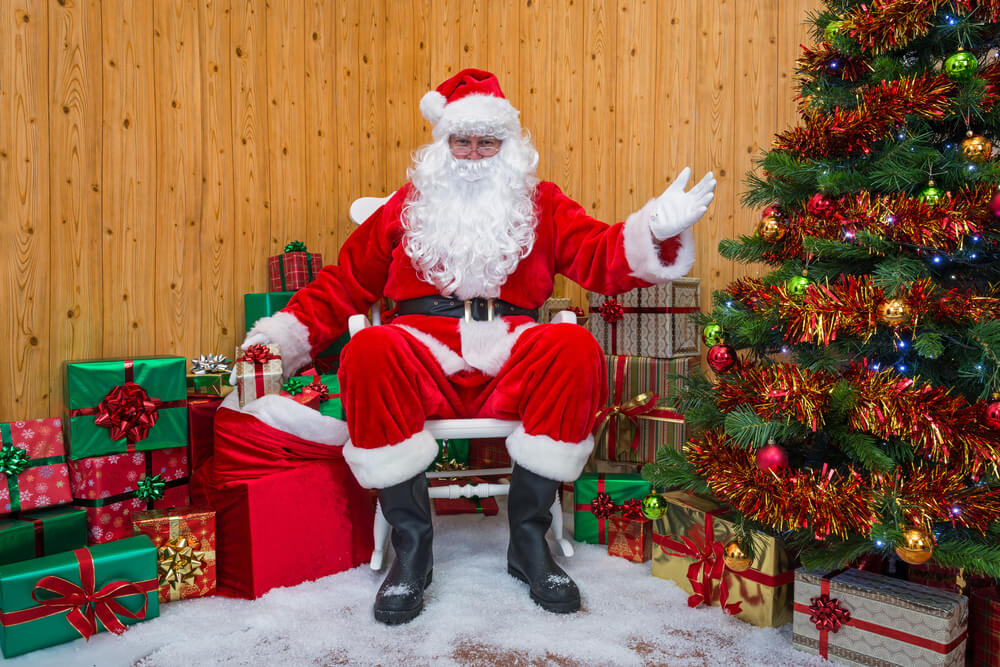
point(611, 311)
point(827, 613)
point(632, 509)
point(602, 506)
point(258, 354)
point(85, 605)
point(128, 411)
point(708, 565)
point(318, 387)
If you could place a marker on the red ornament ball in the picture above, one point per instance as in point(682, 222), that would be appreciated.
point(772, 457)
point(995, 204)
point(721, 358)
point(991, 415)
point(819, 204)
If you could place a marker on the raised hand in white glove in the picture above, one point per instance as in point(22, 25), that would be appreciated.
point(252, 339)
point(677, 210)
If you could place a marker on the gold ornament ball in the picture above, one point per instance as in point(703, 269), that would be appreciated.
point(736, 559)
point(772, 228)
point(917, 546)
point(976, 148)
point(894, 312)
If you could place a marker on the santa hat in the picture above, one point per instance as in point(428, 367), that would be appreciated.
point(471, 103)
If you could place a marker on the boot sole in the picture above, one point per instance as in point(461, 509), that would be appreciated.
point(400, 616)
point(568, 607)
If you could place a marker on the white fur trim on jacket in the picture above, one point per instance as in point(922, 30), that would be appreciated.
point(486, 346)
point(643, 253)
point(473, 115)
point(385, 466)
point(289, 416)
point(552, 459)
point(291, 336)
point(450, 362)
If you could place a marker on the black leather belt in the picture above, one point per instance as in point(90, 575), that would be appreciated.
point(478, 309)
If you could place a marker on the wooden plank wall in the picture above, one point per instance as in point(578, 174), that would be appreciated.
point(153, 153)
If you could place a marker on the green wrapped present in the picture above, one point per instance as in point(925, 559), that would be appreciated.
point(597, 496)
point(42, 532)
point(258, 305)
point(82, 592)
point(452, 455)
point(332, 405)
point(126, 405)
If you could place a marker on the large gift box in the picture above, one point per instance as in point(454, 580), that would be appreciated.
point(126, 405)
point(689, 543)
point(599, 496)
point(58, 598)
point(33, 470)
point(984, 627)
point(293, 269)
point(185, 546)
point(648, 322)
point(42, 532)
point(262, 304)
point(638, 418)
point(112, 488)
point(855, 617)
point(258, 372)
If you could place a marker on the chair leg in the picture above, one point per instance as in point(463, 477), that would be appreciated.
point(380, 531)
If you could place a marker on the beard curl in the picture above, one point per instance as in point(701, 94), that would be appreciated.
point(469, 222)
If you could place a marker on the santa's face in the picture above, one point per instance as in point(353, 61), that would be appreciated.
point(472, 217)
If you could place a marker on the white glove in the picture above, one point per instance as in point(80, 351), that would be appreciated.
point(677, 210)
point(252, 339)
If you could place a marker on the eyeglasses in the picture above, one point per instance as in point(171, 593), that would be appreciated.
point(463, 146)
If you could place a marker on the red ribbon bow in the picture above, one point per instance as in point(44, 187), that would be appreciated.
point(258, 354)
point(632, 509)
point(128, 411)
point(827, 613)
point(612, 311)
point(319, 388)
point(602, 506)
point(85, 605)
point(708, 565)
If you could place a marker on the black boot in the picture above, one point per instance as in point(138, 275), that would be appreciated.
point(408, 510)
point(529, 510)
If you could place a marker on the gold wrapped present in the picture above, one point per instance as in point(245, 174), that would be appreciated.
point(258, 372)
point(690, 548)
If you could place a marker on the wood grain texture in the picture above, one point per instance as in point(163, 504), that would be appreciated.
point(290, 109)
point(74, 255)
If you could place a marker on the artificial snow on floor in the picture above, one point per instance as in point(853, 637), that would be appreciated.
point(475, 614)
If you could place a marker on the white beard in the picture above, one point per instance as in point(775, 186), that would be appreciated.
point(469, 222)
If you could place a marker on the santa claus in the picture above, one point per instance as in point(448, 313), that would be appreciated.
point(469, 249)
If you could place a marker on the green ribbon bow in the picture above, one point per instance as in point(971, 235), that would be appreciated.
point(13, 460)
point(296, 246)
point(293, 386)
point(151, 488)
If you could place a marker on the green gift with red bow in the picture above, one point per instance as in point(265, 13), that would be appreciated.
point(112, 488)
point(126, 405)
point(33, 471)
point(55, 599)
point(293, 269)
point(597, 497)
point(42, 532)
point(324, 390)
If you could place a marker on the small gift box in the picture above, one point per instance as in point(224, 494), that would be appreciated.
point(630, 537)
point(323, 393)
point(42, 532)
point(209, 376)
point(689, 548)
point(597, 497)
point(552, 306)
point(33, 470)
point(293, 269)
point(185, 546)
point(855, 617)
point(125, 405)
point(648, 322)
point(637, 419)
point(309, 392)
point(112, 488)
point(984, 627)
point(258, 372)
point(54, 599)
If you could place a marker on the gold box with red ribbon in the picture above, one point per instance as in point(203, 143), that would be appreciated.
point(855, 617)
point(648, 322)
point(638, 418)
point(258, 372)
point(184, 538)
point(689, 543)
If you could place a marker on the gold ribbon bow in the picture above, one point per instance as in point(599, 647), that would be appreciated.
point(178, 563)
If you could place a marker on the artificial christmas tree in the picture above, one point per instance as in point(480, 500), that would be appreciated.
point(853, 409)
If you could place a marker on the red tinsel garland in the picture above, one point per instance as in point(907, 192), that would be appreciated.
point(824, 59)
point(885, 25)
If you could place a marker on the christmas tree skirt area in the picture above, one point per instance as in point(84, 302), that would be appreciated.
point(475, 614)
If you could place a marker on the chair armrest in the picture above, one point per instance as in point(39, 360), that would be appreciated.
point(356, 323)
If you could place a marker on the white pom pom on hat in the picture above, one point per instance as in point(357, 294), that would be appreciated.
point(470, 101)
point(432, 106)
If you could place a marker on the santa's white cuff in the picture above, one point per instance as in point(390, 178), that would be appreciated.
point(385, 466)
point(292, 417)
point(643, 253)
point(552, 459)
point(291, 336)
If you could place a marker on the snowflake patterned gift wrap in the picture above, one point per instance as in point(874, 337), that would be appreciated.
point(33, 472)
point(855, 617)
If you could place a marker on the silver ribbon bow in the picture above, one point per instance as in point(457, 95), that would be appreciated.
point(210, 364)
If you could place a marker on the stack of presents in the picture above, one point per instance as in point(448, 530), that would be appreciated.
point(161, 483)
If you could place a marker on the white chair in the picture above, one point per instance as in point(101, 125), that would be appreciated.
point(449, 429)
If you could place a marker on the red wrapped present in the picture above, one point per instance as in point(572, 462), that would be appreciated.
point(184, 538)
point(984, 627)
point(287, 509)
point(112, 488)
point(293, 269)
point(946, 578)
point(33, 472)
point(306, 393)
point(201, 420)
point(474, 505)
point(630, 536)
point(485, 453)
